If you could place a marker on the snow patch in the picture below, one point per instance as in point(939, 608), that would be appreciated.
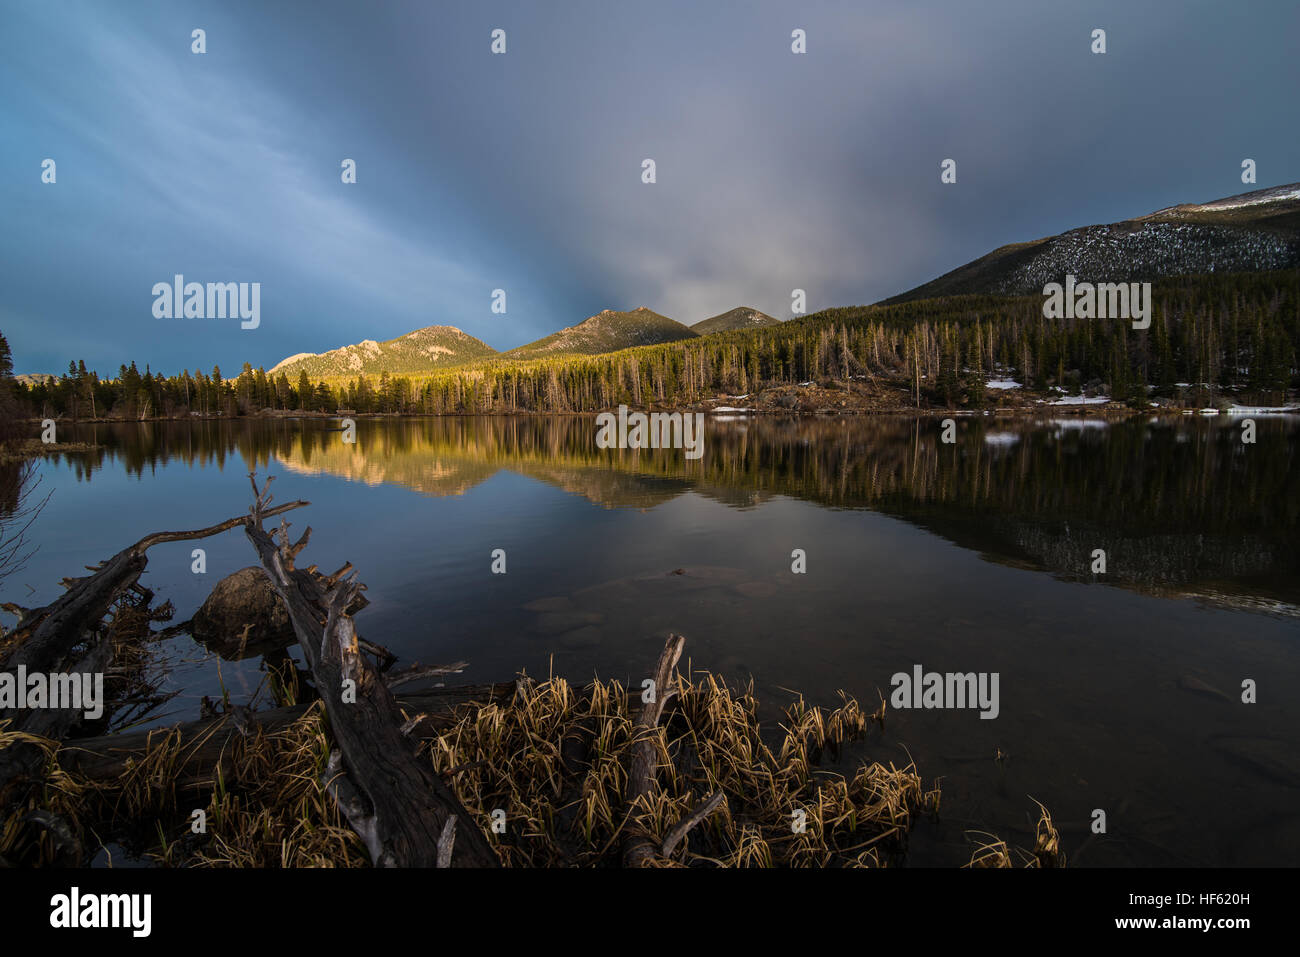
point(1269, 196)
point(1262, 409)
point(1080, 400)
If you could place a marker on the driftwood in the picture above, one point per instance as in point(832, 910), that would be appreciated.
point(67, 636)
point(702, 810)
point(203, 744)
point(402, 809)
point(44, 636)
point(639, 850)
point(392, 798)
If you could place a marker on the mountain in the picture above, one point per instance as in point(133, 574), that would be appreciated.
point(606, 331)
point(34, 378)
point(1253, 232)
point(433, 347)
point(742, 317)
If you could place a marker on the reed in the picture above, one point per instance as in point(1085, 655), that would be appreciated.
point(555, 759)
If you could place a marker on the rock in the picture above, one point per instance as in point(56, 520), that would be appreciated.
point(697, 576)
point(243, 600)
point(1197, 686)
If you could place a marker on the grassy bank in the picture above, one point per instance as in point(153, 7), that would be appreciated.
point(549, 767)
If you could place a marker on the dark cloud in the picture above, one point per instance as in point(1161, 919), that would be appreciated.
point(522, 171)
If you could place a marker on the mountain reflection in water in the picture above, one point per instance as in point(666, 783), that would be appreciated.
point(974, 556)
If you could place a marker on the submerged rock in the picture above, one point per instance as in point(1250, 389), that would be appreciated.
point(243, 600)
point(1196, 686)
point(1270, 758)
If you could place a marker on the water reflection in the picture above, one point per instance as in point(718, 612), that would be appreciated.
point(1104, 701)
point(1179, 506)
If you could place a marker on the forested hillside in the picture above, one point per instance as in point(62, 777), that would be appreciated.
point(1233, 336)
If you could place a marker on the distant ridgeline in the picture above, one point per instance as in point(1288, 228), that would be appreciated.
point(1225, 332)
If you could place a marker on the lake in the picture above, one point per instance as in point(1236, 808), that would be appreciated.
point(975, 556)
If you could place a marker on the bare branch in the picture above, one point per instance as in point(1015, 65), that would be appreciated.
point(643, 774)
point(353, 807)
point(416, 673)
point(158, 538)
point(445, 842)
point(406, 803)
point(702, 810)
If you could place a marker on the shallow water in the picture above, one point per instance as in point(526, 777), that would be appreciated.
point(975, 556)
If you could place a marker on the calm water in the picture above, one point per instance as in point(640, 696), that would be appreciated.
point(967, 557)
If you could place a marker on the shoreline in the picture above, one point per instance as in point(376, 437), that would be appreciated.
point(29, 449)
point(1047, 409)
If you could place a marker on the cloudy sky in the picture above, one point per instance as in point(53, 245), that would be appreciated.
point(522, 171)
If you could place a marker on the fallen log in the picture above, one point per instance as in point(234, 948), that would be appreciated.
point(639, 848)
point(203, 743)
point(44, 636)
point(67, 636)
point(393, 798)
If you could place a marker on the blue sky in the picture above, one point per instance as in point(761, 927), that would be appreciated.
point(522, 171)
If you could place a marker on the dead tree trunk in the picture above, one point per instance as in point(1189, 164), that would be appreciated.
point(391, 796)
point(639, 848)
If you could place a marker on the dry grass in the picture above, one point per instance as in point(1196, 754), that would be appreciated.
point(267, 809)
point(23, 449)
point(992, 851)
point(60, 796)
point(555, 760)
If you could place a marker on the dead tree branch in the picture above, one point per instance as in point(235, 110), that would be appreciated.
point(67, 637)
point(643, 775)
point(402, 806)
